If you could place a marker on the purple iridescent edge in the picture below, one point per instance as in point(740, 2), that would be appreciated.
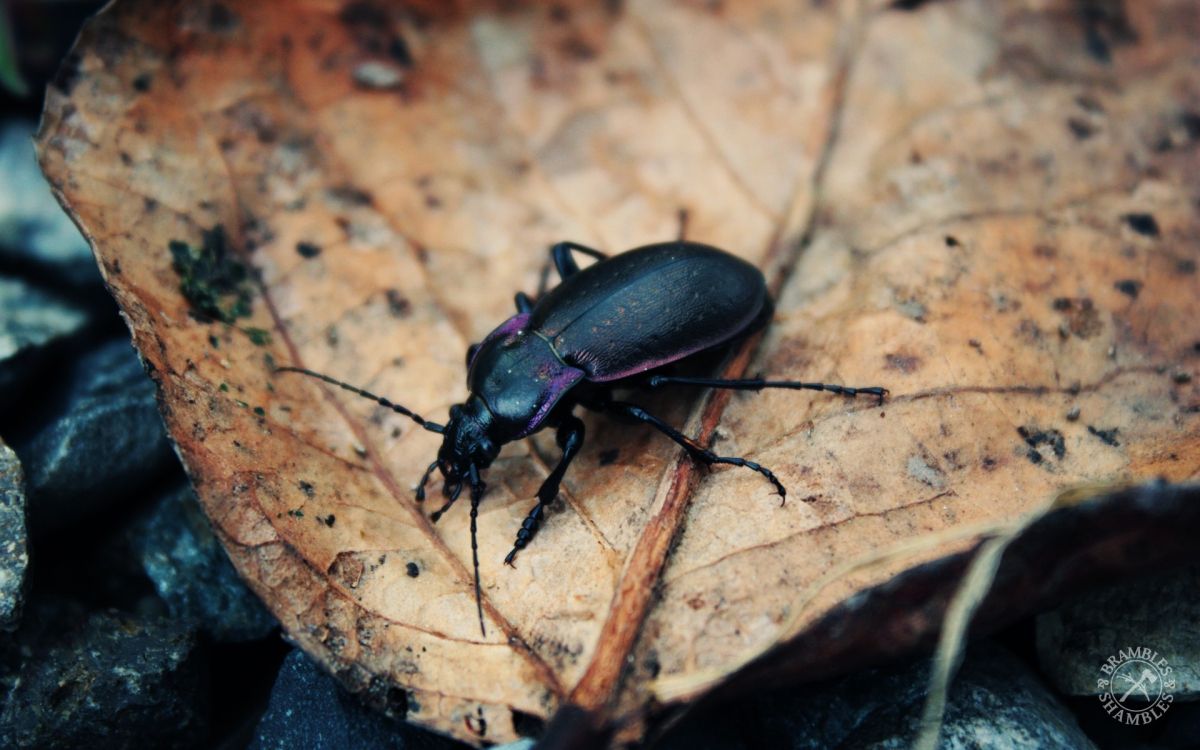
point(513, 325)
point(562, 381)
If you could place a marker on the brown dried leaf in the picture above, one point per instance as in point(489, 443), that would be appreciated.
point(986, 207)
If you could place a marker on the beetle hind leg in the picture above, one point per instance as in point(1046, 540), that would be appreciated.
point(697, 451)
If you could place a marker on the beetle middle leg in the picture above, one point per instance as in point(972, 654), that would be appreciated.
point(570, 439)
point(757, 384)
point(564, 262)
point(697, 451)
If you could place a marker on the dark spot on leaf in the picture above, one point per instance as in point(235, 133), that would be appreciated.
point(365, 14)
point(1073, 414)
point(1108, 437)
point(1034, 437)
point(988, 463)
point(1181, 377)
point(905, 363)
point(220, 18)
point(308, 249)
point(398, 51)
point(150, 205)
point(398, 304)
point(142, 82)
point(349, 195)
point(260, 411)
point(476, 724)
point(908, 5)
point(608, 457)
point(578, 48)
point(1034, 456)
point(307, 488)
point(1080, 128)
point(329, 520)
point(1129, 287)
point(1083, 320)
point(1144, 224)
point(952, 241)
point(412, 570)
point(1105, 25)
point(1187, 266)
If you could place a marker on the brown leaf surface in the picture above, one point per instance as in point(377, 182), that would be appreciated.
point(989, 208)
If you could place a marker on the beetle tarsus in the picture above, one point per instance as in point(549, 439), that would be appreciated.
point(453, 496)
point(420, 494)
point(697, 451)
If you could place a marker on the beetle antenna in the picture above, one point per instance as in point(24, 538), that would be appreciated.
point(477, 488)
point(431, 426)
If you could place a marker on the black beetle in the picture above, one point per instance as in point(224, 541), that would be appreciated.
point(611, 324)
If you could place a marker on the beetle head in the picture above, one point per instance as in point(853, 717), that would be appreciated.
point(467, 441)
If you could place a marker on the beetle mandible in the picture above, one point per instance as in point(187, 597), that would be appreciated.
point(614, 323)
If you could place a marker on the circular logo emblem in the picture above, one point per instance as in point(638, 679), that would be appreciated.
point(1136, 685)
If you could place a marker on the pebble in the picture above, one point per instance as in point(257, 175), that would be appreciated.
point(309, 709)
point(104, 441)
point(14, 546)
point(192, 573)
point(107, 679)
point(33, 320)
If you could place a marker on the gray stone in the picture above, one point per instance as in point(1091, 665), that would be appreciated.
point(191, 572)
point(105, 680)
point(308, 709)
point(1157, 612)
point(106, 440)
point(34, 229)
point(14, 547)
point(32, 320)
point(995, 702)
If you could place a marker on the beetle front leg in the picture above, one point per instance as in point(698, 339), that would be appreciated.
point(697, 451)
point(570, 439)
